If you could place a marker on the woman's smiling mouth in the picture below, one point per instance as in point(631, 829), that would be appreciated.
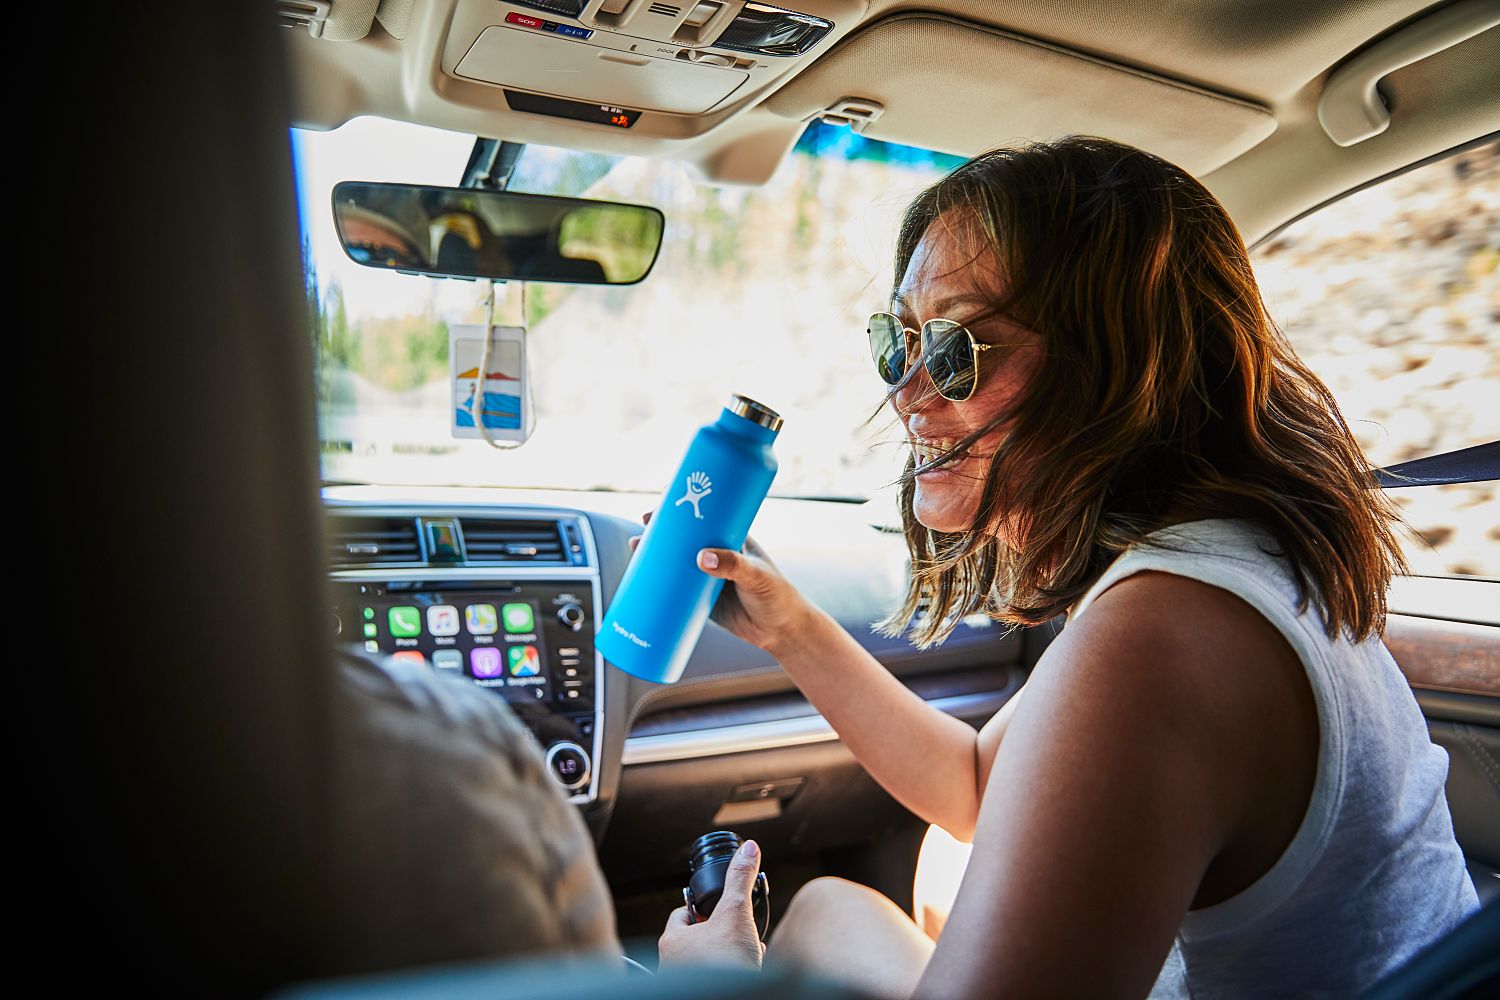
point(929, 449)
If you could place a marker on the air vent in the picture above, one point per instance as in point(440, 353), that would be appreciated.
point(664, 9)
point(574, 539)
point(515, 540)
point(372, 541)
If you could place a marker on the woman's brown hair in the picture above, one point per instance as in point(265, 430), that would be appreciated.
point(1165, 391)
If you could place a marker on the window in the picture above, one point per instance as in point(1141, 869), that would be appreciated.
point(1392, 296)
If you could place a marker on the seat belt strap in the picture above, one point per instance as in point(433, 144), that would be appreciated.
point(1478, 464)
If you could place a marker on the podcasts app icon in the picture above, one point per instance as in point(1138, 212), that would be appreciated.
point(485, 661)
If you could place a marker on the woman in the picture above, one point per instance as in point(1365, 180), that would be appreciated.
point(1216, 780)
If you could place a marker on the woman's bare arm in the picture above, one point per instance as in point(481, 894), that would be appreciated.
point(932, 763)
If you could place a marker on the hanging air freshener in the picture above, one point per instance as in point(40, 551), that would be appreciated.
point(489, 380)
point(498, 406)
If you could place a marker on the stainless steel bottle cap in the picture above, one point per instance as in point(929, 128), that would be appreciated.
point(744, 406)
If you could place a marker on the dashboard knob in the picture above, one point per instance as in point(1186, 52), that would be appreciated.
point(569, 764)
point(571, 615)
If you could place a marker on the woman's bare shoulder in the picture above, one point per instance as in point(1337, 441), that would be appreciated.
point(1176, 629)
point(1176, 649)
point(1204, 677)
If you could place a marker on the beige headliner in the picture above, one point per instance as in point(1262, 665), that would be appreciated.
point(1258, 57)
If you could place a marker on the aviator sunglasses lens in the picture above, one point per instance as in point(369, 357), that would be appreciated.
point(887, 346)
point(949, 353)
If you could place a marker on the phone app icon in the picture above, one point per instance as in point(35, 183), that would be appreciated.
point(485, 661)
point(442, 619)
point(405, 622)
point(525, 661)
point(411, 656)
point(481, 619)
point(518, 618)
point(448, 659)
point(369, 630)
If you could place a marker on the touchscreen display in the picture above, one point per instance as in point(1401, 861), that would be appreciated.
point(493, 639)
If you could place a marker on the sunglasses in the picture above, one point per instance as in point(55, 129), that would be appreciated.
point(947, 349)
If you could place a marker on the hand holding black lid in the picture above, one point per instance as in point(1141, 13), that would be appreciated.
point(719, 928)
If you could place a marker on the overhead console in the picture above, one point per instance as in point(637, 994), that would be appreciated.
point(666, 69)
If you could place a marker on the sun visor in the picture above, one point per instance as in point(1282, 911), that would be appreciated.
point(962, 88)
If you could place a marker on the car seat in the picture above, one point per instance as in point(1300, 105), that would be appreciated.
point(1463, 963)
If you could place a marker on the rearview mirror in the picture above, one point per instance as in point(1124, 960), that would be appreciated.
point(499, 235)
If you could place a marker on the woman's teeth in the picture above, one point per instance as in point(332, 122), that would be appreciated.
point(930, 450)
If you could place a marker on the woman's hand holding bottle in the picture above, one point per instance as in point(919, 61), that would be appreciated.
point(863, 702)
point(757, 604)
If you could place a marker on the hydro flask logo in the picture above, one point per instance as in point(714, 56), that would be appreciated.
point(698, 487)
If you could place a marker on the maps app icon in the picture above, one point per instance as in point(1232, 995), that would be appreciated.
point(481, 619)
point(525, 661)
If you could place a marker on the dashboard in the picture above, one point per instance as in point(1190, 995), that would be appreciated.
point(503, 589)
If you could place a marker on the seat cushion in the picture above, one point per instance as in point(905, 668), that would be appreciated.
point(449, 839)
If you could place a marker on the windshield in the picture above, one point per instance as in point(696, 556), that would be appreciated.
point(761, 291)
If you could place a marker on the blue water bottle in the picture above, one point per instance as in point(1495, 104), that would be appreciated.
point(658, 612)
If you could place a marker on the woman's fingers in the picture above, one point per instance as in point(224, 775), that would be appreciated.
point(749, 573)
point(752, 548)
point(635, 541)
point(725, 564)
point(739, 880)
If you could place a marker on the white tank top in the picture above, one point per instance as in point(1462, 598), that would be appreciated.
point(1373, 874)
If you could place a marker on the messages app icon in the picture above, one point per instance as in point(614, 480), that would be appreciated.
point(405, 622)
point(518, 618)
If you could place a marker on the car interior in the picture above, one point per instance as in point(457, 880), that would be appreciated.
point(221, 485)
